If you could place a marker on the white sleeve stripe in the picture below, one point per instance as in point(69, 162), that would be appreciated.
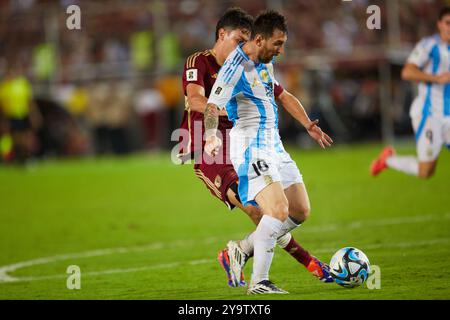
point(233, 65)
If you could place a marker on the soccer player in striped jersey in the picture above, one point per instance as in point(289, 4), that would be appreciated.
point(219, 177)
point(428, 64)
point(268, 177)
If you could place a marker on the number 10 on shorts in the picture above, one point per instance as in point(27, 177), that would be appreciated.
point(260, 166)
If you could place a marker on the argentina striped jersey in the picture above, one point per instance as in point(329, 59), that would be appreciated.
point(432, 55)
point(246, 89)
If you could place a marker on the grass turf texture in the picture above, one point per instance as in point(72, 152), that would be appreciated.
point(160, 230)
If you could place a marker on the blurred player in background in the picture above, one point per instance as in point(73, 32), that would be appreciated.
point(267, 175)
point(428, 64)
point(199, 75)
point(21, 116)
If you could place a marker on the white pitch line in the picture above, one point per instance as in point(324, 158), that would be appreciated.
point(5, 270)
point(206, 261)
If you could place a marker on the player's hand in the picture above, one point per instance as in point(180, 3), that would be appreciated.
point(317, 134)
point(212, 145)
point(443, 78)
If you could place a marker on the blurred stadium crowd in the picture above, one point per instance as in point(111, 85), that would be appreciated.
point(115, 85)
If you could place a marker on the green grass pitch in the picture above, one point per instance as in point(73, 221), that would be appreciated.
point(142, 228)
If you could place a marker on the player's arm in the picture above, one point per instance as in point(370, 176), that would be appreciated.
point(194, 75)
point(221, 93)
point(211, 121)
point(197, 100)
point(417, 60)
point(296, 110)
point(411, 72)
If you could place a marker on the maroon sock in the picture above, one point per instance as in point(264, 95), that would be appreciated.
point(296, 251)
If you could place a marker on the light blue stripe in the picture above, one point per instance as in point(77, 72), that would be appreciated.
point(259, 68)
point(231, 64)
point(232, 110)
point(426, 110)
point(232, 68)
point(243, 177)
point(258, 142)
point(232, 104)
point(447, 93)
point(230, 76)
point(447, 100)
point(248, 92)
point(239, 48)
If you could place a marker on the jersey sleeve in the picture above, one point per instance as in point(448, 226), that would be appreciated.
point(194, 71)
point(226, 85)
point(277, 87)
point(421, 53)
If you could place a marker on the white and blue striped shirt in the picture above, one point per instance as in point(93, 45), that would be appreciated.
point(432, 55)
point(246, 89)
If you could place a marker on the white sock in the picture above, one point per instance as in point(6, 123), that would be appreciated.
point(288, 225)
point(264, 240)
point(406, 164)
point(246, 244)
point(284, 240)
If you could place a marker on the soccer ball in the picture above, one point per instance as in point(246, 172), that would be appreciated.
point(350, 267)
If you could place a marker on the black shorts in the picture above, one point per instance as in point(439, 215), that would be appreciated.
point(17, 125)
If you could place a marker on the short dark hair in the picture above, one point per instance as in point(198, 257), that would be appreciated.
point(443, 12)
point(234, 18)
point(267, 22)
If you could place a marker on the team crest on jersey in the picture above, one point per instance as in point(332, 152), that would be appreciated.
point(264, 75)
point(191, 75)
point(214, 76)
point(218, 181)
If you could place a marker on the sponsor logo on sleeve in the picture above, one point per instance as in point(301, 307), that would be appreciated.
point(218, 91)
point(191, 75)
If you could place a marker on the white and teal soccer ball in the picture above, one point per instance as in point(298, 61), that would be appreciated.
point(349, 267)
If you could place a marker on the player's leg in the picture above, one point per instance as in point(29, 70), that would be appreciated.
point(299, 204)
point(273, 203)
point(234, 257)
point(260, 244)
point(299, 211)
point(412, 166)
point(427, 169)
point(428, 145)
point(218, 178)
point(253, 212)
point(429, 142)
point(243, 249)
point(259, 182)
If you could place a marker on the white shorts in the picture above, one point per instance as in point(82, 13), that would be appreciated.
point(431, 133)
point(257, 167)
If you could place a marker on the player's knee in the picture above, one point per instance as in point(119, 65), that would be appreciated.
point(427, 172)
point(280, 210)
point(254, 213)
point(300, 211)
